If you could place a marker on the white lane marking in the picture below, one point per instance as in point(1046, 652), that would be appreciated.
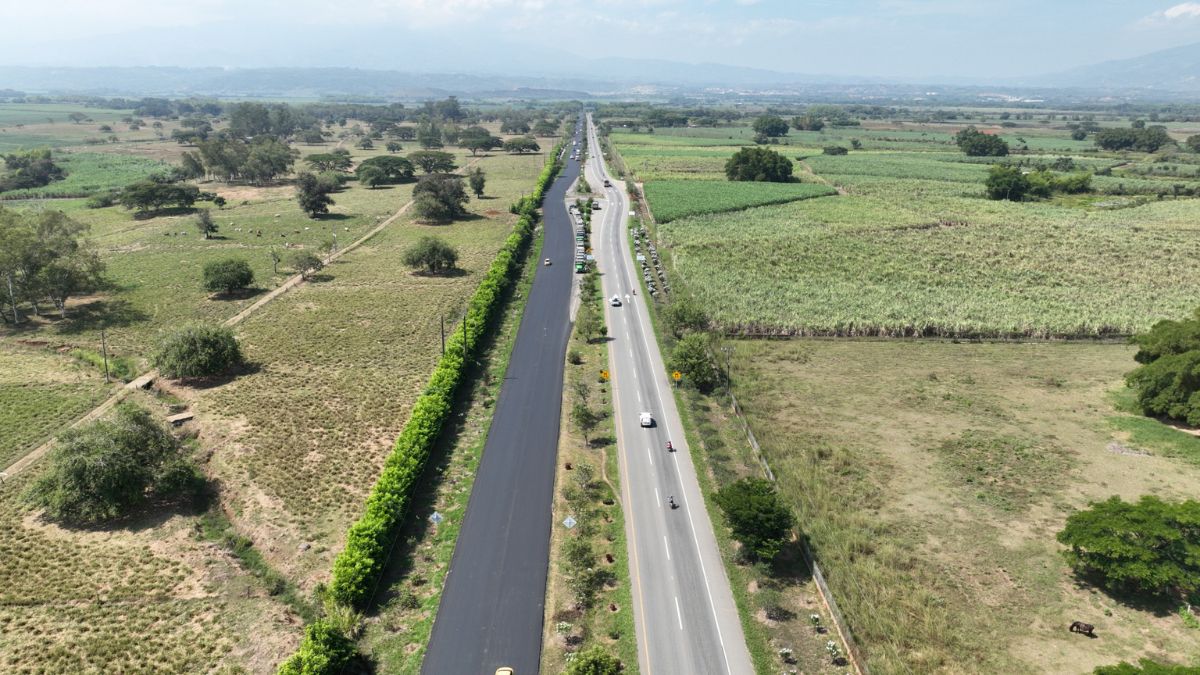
point(691, 521)
point(667, 546)
point(679, 615)
point(656, 497)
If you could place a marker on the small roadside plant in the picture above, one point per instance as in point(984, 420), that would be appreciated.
point(197, 350)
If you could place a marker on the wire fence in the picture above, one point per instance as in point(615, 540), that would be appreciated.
point(857, 662)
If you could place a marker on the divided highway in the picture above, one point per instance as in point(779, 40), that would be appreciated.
point(686, 619)
point(493, 601)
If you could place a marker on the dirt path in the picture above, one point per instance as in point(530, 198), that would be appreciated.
point(807, 170)
point(145, 380)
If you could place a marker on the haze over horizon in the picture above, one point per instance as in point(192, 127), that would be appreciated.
point(913, 40)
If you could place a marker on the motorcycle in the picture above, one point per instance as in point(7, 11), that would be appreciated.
point(671, 501)
point(670, 448)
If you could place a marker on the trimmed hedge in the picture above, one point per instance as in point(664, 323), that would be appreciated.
point(357, 569)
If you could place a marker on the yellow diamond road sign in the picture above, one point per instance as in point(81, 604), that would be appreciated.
point(676, 375)
point(604, 374)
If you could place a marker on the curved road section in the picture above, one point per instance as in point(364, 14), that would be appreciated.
point(686, 620)
point(492, 604)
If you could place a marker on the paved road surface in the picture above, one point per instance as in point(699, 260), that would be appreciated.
point(687, 623)
point(493, 600)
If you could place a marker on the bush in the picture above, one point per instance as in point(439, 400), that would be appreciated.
point(758, 519)
point(835, 150)
point(759, 164)
point(975, 143)
point(1148, 547)
point(306, 263)
point(432, 253)
point(102, 200)
point(103, 470)
point(323, 651)
point(1168, 382)
point(691, 356)
point(197, 350)
point(594, 661)
point(440, 197)
point(227, 276)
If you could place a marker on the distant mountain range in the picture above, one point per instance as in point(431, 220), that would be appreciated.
point(1172, 73)
point(1169, 70)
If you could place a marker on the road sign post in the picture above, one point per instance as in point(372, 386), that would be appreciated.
point(677, 376)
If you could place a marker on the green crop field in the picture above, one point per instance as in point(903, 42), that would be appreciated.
point(931, 478)
point(92, 172)
point(40, 393)
point(673, 199)
point(914, 247)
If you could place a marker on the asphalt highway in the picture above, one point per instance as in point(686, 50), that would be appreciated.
point(686, 619)
point(492, 604)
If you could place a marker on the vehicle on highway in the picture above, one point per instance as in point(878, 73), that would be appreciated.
point(670, 448)
point(595, 206)
point(671, 501)
point(615, 301)
point(646, 419)
point(546, 262)
point(607, 183)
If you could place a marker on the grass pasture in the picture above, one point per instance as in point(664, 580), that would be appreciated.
point(92, 172)
point(931, 478)
point(674, 199)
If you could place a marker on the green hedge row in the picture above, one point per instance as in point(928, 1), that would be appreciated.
point(357, 569)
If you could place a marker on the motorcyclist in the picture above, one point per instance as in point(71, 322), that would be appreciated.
point(669, 446)
point(671, 501)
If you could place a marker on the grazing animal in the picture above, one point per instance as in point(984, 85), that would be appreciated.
point(1081, 627)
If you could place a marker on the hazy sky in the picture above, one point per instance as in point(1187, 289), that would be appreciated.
point(890, 38)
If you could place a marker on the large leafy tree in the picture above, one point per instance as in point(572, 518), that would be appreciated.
point(440, 198)
point(771, 126)
point(393, 169)
point(975, 143)
point(227, 276)
point(103, 470)
point(433, 161)
point(692, 356)
point(432, 254)
point(43, 256)
point(757, 517)
point(758, 164)
point(1150, 546)
point(478, 138)
point(1168, 381)
point(521, 144)
point(338, 160)
point(149, 195)
point(313, 195)
point(197, 350)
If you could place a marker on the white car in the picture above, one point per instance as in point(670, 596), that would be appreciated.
point(615, 301)
point(646, 419)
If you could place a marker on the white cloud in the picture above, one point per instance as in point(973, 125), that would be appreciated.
point(1184, 11)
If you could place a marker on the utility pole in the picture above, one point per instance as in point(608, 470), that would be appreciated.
point(104, 352)
point(443, 335)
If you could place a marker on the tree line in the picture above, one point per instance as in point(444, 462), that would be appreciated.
point(44, 259)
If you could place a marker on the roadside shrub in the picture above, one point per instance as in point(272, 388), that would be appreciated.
point(103, 470)
point(197, 350)
point(323, 650)
point(757, 517)
point(227, 276)
point(357, 568)
point(594, 661)
point(1147, 547)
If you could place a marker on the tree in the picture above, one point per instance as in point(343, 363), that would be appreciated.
point(433, 161)
point(275, 260)
point(521, 144)
point(1169, 386)
point(691, 356)
point(429, 136)
point(478, 138)
point(431, 253)
point(594, 661)
point(325, 649)
point(268, 159)
point(545, 128)
point(1079, 134)
point(306, 263)
point(771, 126)
point(684, 314)
point(1167, 338)
point(1147, 547)
point(477, 180)
point(757, 517)
point(440, 198)
point(190, 165)
point(148, 196)
point(1006, 182)
point(365, 144)
point(586, 419)
point(1144, 139)
point(228, 275)
point(371, 176)
point(313, 195)
point(197, 350)
point(1193, 143)
point(394, 169)
point(43, 255)
point(758, 164)
point(808, 122)
point(205, 224)
point(338, 160)
point(393, 146)
point(30, 169)
point(102, 471)
point(975, 143)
